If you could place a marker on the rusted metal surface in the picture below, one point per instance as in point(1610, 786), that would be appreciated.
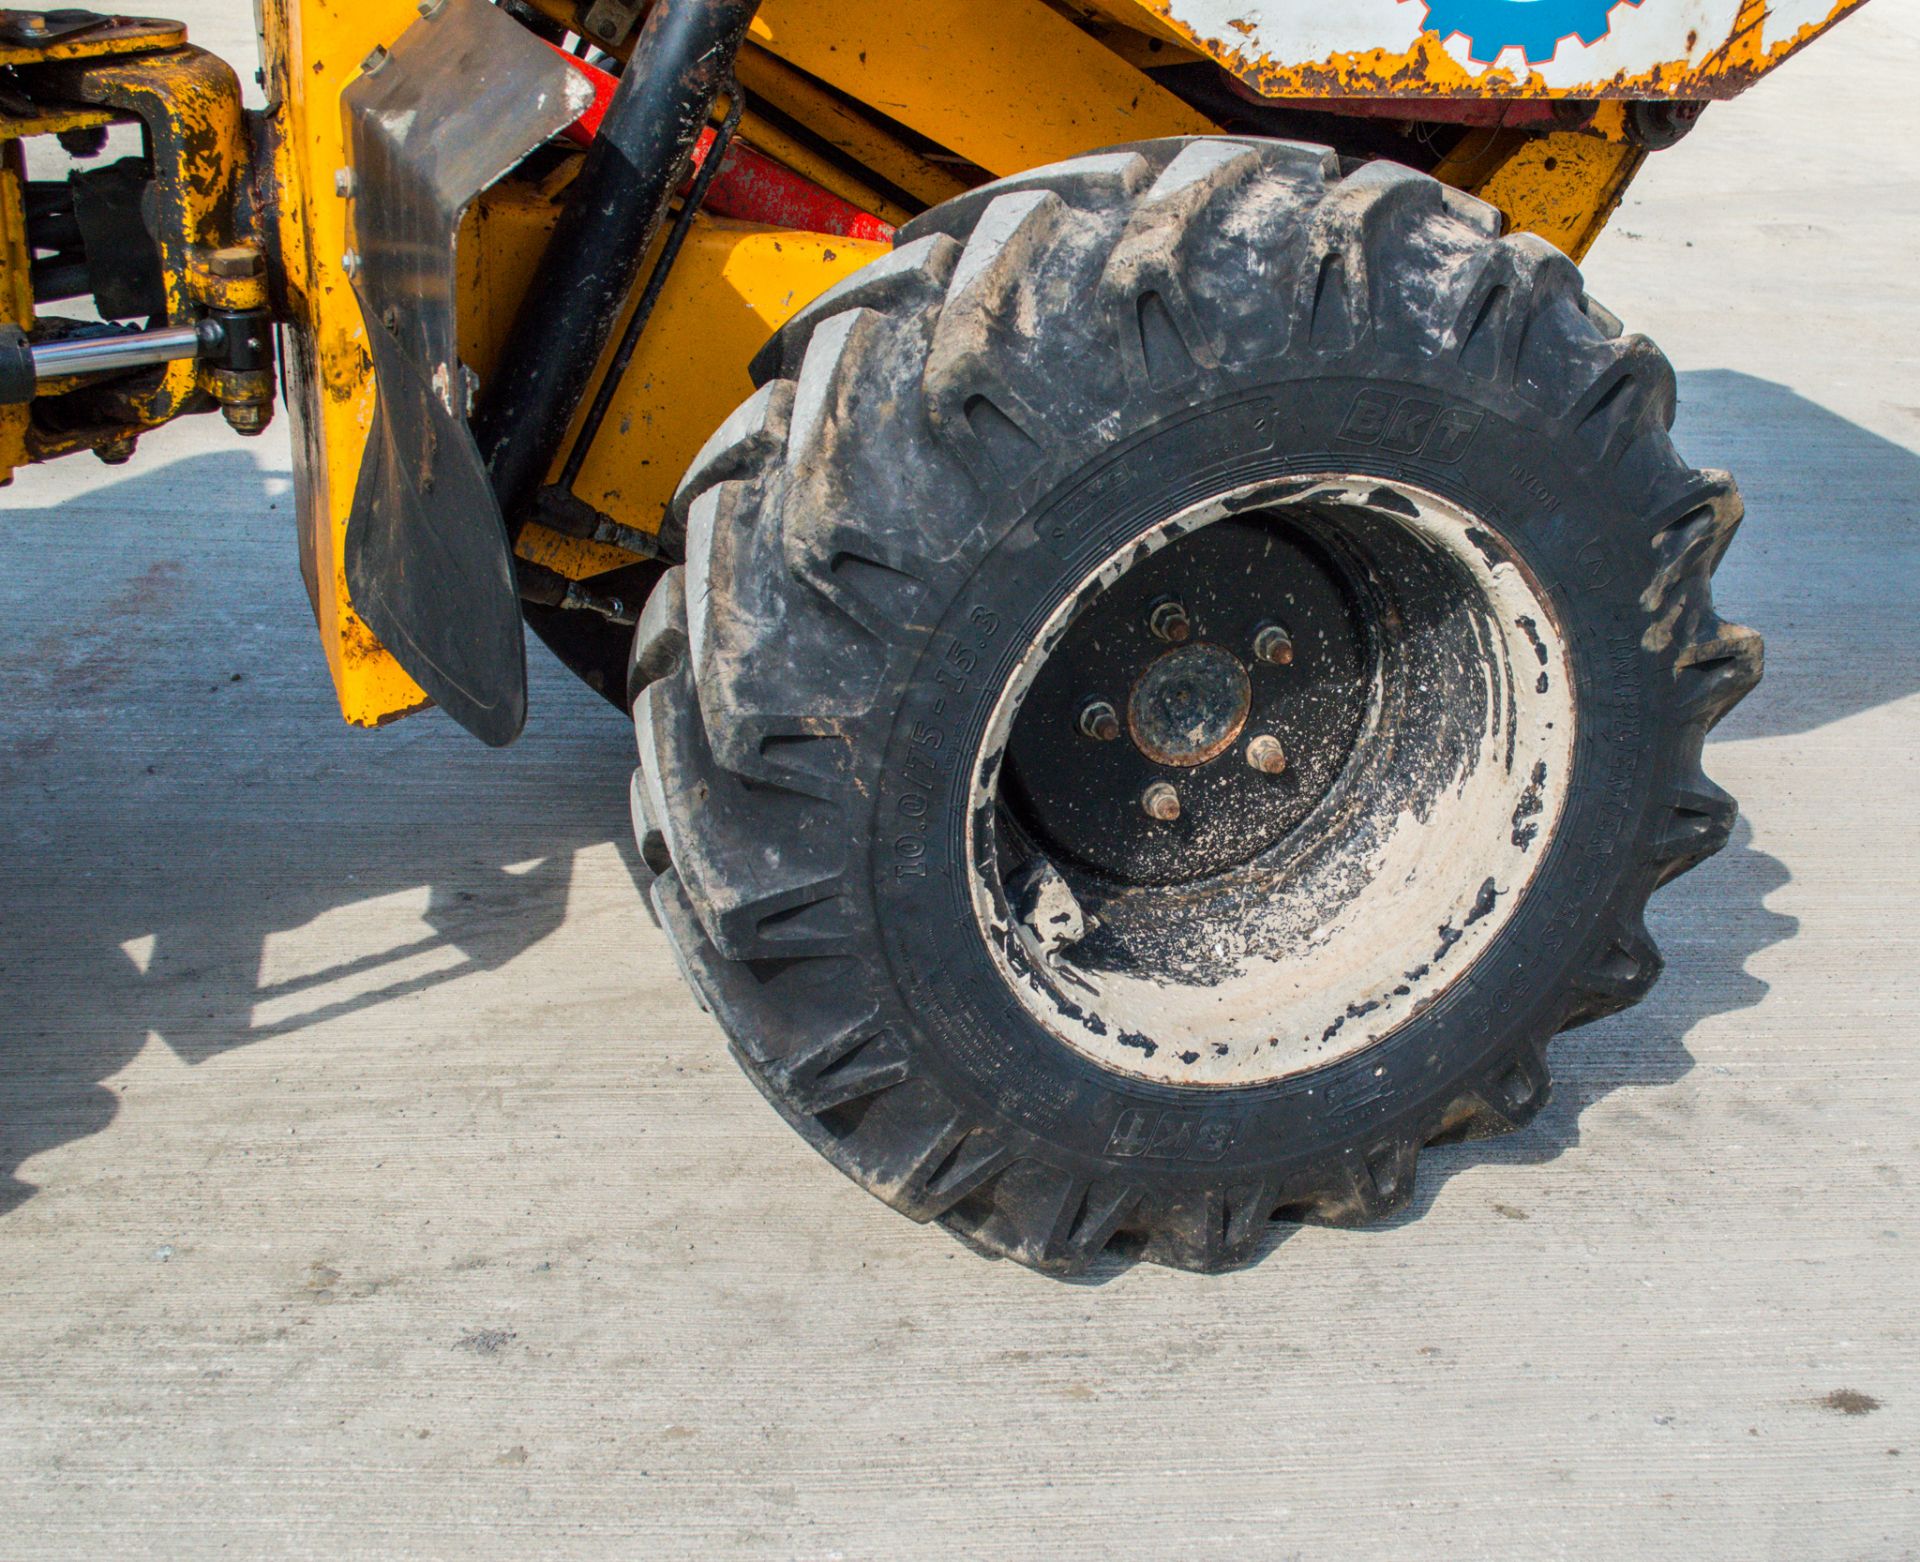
point(16, 292)
point(1189, 705)
point(1160, 801)
point(20, 118)
point(188, 102)
point(1493, 48)
point(20, 45)
point(1266, 755)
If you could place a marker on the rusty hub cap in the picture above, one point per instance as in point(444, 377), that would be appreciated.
point(1189, 705)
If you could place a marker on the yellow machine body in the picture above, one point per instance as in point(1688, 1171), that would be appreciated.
point(731, 288)
point(889, 107)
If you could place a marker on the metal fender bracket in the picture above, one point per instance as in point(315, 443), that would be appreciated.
point(462, 96)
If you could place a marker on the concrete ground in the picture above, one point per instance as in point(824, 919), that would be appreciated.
point(372, 1188)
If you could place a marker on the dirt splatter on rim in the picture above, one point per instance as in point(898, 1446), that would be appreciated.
point(1417, 852)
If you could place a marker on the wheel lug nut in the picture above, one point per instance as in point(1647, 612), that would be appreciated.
point(1099, 721)
point(1161, 802)
point(1273, 645)
point(1168, 621)
point(1265, 754)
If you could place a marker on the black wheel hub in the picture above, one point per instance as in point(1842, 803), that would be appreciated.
point(1175, 649)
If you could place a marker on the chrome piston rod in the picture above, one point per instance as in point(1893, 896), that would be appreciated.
point(26, 366)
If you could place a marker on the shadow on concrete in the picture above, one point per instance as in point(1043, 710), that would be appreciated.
point(177, 791)
point(1708, 926)
point(1827, 564)
point(157, 838)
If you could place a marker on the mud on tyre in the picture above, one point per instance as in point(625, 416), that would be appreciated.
point(1194, 465)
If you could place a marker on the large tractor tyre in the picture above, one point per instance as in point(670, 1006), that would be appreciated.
point(1185, 677)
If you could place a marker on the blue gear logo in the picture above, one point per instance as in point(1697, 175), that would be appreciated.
point(1538, 26)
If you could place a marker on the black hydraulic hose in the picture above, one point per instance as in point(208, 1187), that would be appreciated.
point(681, 62)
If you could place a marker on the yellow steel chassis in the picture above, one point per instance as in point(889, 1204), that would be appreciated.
point(893, 107)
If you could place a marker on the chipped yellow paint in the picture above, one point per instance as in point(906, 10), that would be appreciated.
point(313, 48)
point(189, 104)
point(16, 291)
point(1429, 70)
point(23, 121)
point(188, 99)
point(123, 35)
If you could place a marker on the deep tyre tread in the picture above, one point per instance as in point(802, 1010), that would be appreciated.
point(915, 409)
